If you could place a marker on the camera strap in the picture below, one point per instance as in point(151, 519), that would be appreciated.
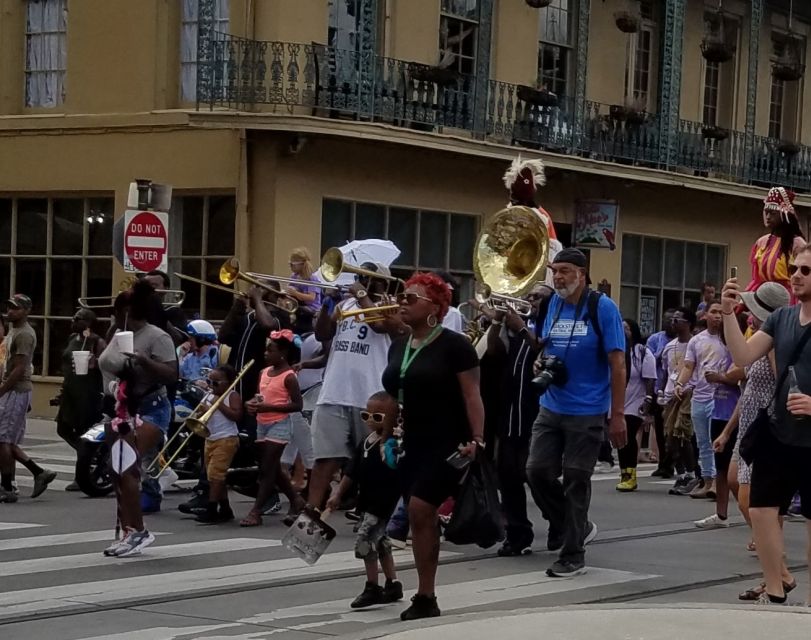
point(577, 311)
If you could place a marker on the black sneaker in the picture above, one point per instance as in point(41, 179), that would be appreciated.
point(41, 482)
point(422, 606)
point(393, 591)
point(354, 515)
point(514, 549)
point(225, 515)
point(372, 594)
point(678, 485)
point(196, 506)
point(591, 533)
point(566, 569)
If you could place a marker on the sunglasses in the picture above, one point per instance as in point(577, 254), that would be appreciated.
point(411, 298)
point(373, 417)
point(804, 269)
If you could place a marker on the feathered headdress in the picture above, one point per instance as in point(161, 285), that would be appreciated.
point(781, 200)
point(523, 178)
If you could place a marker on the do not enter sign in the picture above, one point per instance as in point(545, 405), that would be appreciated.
point(146, 240)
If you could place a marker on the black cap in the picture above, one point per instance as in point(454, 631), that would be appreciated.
point(572, 256)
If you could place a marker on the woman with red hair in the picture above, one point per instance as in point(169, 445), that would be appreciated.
point(434, 374)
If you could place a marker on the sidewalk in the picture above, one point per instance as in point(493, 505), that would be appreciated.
point(641, 622)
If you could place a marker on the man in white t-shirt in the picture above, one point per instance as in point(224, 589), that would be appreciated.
point(357, 358)
point(453, 320)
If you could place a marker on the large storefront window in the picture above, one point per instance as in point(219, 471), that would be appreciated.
point(428, 240)
point(55, 250)
point(659, 273)
point(201, 230)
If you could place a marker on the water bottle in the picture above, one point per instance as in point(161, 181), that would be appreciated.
point(794, 387)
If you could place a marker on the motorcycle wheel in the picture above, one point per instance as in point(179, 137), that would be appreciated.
point(93, 469)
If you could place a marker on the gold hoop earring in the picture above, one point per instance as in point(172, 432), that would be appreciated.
point(432, 321)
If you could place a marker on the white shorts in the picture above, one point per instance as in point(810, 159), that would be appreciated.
point(337, 431)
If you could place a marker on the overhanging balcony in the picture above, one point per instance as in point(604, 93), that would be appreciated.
point(316, 80)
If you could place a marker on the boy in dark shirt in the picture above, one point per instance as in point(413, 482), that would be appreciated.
point(373, 469)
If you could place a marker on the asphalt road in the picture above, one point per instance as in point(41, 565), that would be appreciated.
point(230, 583)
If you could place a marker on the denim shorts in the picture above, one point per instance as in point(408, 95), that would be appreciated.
point(156, 409)
point(280, 431)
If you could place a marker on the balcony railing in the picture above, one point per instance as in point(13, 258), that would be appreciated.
point(323, 81)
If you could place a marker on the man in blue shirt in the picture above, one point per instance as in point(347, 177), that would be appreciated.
point(567, 434)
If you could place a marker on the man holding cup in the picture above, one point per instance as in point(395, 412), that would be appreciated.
point(15, 400)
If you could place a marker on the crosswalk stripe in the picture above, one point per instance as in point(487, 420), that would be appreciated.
point(86, 560)
point(59, 468)
point(60, 597)
point(28, 481)
point(8, 526)
point(459, 595)
point(34, 542)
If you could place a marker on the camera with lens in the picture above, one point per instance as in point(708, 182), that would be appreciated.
point(552, 371)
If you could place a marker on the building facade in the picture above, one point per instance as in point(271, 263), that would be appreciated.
point(310, 123)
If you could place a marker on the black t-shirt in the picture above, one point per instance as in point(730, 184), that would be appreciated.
point(434, 412)
point(378, 484)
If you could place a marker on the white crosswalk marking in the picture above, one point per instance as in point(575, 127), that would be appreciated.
point(85, 560)
point(34, 542)
point(9, 526)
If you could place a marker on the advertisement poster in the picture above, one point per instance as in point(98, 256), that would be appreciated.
point(595, 224)
point(647, 315)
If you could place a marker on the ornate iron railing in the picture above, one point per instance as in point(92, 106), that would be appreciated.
point(323, 81)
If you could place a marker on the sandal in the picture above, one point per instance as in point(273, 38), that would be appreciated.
point(292, 514)
point(253, 519)
point(751, 547)
point(755, 593)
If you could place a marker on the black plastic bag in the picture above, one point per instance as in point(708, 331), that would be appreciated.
point(476, 515)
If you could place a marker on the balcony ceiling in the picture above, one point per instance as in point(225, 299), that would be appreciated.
point(802, 8)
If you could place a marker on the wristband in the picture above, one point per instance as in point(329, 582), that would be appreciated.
point(727, 313)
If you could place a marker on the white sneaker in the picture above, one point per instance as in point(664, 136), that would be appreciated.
point(591, 532)
point(118, 544)
point(603, 467)
point(712, 522)
point(167, 479)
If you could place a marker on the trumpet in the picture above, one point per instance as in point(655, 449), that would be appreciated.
point(473, 328)
point(501, 302)
point(333, 265)
point(195, 426)
point(370, 314)
point(171, 298)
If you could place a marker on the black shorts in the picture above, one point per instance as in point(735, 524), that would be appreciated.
point(778, 472)
point(428, 476)
point(722, 459)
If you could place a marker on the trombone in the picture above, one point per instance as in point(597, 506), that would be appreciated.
point(370, 314)
point(501, 302)
point(195, 426)
point(170, 299)
point(333, 265)
point(292, 282)
point(230, 272)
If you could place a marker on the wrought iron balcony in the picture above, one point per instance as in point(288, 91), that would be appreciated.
point(323, 81)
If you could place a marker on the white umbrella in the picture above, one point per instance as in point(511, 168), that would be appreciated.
point(358, 252)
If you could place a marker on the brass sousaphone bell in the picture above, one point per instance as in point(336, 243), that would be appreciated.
point(511, 254)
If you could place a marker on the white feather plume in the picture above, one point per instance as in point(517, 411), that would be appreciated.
point(518, 165)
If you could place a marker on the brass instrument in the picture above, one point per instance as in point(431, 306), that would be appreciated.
point(473, 328)
point(171, 298)
point(512, 252)
point(290, 282)
point(333, 265)
point(230, 272)
point(501, 302)
point(370, 314)
point(197, 426)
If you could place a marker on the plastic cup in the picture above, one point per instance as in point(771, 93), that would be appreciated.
point(81, 362)
point(124, 340)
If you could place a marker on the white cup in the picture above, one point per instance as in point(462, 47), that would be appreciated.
point(124, 340)
point(81, 362)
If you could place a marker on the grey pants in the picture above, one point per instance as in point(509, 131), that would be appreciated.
point(566, 445)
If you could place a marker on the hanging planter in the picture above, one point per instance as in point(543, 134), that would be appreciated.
point(788, 148)
point(714, 133)
point(789, 66)
point(538, 4)
point(538, 97)
point(632, 116)
point(716, 50)
point(626, 21)
point(434, 75)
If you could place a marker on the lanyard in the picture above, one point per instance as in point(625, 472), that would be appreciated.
point(577, 311)
point(409, 357)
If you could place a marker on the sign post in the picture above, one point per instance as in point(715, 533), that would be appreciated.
point(146, 241)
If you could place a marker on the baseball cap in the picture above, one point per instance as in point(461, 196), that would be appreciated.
point(21, 301)
point(768, 297)
point(377, 267)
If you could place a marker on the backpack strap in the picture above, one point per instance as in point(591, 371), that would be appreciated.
point(592, 304)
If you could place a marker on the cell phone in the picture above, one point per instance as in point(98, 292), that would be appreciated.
point(458, 461)
point(733, 272)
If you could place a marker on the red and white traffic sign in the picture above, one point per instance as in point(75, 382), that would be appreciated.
point(146, 240)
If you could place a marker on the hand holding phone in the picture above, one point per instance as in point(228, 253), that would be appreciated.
point(458, 461)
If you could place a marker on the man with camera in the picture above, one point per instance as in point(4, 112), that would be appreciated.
point(580, 374)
